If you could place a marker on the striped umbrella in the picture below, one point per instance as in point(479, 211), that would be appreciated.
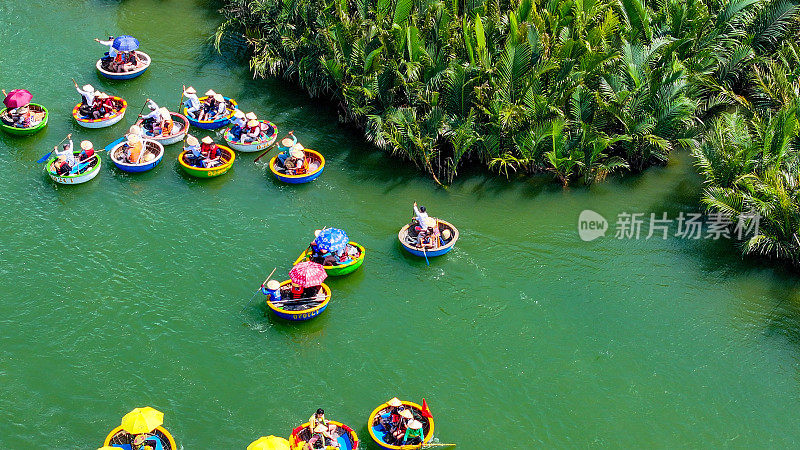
point(332, 240)
point(308, 274)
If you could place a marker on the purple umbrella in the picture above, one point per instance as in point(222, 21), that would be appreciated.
point(125, 43)
point(17, 98)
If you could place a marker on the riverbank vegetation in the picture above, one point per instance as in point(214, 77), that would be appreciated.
point(579, 89)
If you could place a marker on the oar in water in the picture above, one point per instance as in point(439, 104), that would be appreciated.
point(47, 156)
point(270, 147)
point(258, 290)
point(425, 254)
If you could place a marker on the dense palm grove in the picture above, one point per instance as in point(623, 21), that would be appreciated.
point(576, 88)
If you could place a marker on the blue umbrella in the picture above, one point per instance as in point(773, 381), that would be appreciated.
point(332, 240)
point(125, 43)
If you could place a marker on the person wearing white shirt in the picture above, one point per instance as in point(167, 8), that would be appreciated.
point(65, 155)
point(87, 94)
point(192, 102)
point(422, 217)
point(149, 120)
point(112, 52)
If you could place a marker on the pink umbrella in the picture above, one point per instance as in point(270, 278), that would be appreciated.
point(17, 98)
point(308, 274)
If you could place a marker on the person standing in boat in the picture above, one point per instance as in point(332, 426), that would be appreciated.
point(192, 103)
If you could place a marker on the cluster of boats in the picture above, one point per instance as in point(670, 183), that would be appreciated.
point(393, 425)
point(301, 297)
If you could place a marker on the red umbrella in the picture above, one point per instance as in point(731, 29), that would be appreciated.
point(17, 98)
point(307, 274)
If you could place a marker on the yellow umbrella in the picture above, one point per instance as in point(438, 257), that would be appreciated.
point(108, 447)
point(269, 443)
point(142, 420)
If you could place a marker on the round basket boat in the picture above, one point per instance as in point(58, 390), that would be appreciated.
point(113, 118)
point(179, 128)
point(86, 174)
point(301, 311)
point(216, 123)
point(39, 116)
point(410, 243)
point(226, 156)
point(151, 147)
point(263, 142)
point(159, 439)
point(316, 164)
point(378, 433)
point(347, 438)
point(142, 65)
point(342, 269)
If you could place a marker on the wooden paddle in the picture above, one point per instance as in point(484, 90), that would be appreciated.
point(181, 102)
point(273, 145)
point(258, 290)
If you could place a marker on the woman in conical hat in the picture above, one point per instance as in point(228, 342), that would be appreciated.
point(134, 146)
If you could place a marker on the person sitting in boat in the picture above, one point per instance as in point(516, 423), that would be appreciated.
point(239, 123)
point(136, 130)
point(133, 149)
point(87, 99)
point(130, 61)
point(210, 152)
point(22, 117)
point(391, 418)
point(208, 107)
point(219, 109)
point(87, 151)
point(192, 103)
point(108, 61)
point(285, 146)
point(252, 132)
point(398, 429)
point(318, 419)
point(193, 154)
point(103, 106)
point(65, 159)
point(320, 439)
point(152, 117)
point(165, 123)
point(414, 434)
point(295, 163)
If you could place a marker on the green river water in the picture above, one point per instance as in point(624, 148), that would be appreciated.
point(127, 291)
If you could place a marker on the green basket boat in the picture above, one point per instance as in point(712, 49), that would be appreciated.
point(344, 269)
point(226, 156)
point(39, 113)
